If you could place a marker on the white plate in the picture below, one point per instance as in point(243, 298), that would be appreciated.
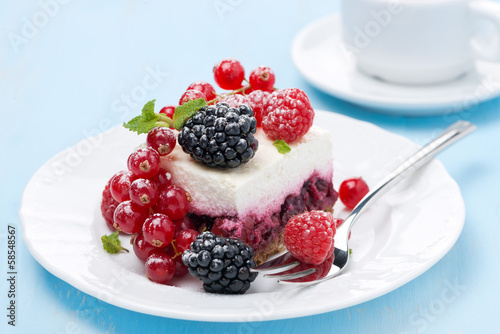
point(397, 239)
point(321, 57)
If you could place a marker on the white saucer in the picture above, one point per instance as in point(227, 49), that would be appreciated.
point(320, 56)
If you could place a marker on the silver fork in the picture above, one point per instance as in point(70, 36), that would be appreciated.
point(281, 264)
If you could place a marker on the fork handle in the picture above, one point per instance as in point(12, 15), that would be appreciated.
point(453, 133)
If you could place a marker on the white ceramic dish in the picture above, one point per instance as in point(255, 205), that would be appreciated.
point(397, 239)
point(322, 58)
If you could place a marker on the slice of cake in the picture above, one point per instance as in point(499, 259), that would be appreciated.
point(254, 201)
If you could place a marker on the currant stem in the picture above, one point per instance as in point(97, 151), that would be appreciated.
point(177, 253)
point(164, 124)
point(165, 119)
point(234, 92)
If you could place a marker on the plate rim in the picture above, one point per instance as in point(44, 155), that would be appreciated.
point(122, 302)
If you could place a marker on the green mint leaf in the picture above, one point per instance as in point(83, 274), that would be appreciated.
point(144, 122)
point(188, 109)
point(282, 146)
point(112, 244)
point(350, 251)
point(148, 111)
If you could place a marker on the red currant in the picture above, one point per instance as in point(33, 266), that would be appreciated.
point(158, 230)
point(161, 139)
point(142, 248)
point(191, 94)
point(145, 162)
point(351, 191)
point(204, 87)
point(229, 74)
point(129, 217)
point(160, 267)
point(262, 78)
point(120, 185)
point(173, 201)
point(162, 179)
point(144, 192)
point(184, 223)
point(180, 268)
point(168, 110)
point(184, 239)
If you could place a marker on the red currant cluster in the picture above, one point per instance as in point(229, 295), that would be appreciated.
point(143, 202)
point(283, 114)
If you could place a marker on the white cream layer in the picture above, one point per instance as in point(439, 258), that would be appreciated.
point(259, 186)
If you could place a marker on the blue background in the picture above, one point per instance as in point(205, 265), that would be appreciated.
point(60, 83)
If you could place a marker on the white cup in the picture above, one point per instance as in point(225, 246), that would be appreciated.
point(418, 41)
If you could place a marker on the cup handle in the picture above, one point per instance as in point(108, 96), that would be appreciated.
point(490, 11)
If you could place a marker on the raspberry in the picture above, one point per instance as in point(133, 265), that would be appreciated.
point(309, 236)
point(229, 74)
point(205, 88)
point(108, 205)
point(235, 100)
point(288, 115)
point(257, 101)
point(191, 94)
point(262, 78)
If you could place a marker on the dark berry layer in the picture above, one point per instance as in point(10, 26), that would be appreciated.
point(315, 194)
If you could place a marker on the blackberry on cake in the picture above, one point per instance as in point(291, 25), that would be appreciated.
point(220, 135)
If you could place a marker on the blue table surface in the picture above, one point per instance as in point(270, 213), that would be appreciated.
point(60, 79)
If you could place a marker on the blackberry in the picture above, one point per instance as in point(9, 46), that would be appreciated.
point(223, 264)
point(220, 135)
